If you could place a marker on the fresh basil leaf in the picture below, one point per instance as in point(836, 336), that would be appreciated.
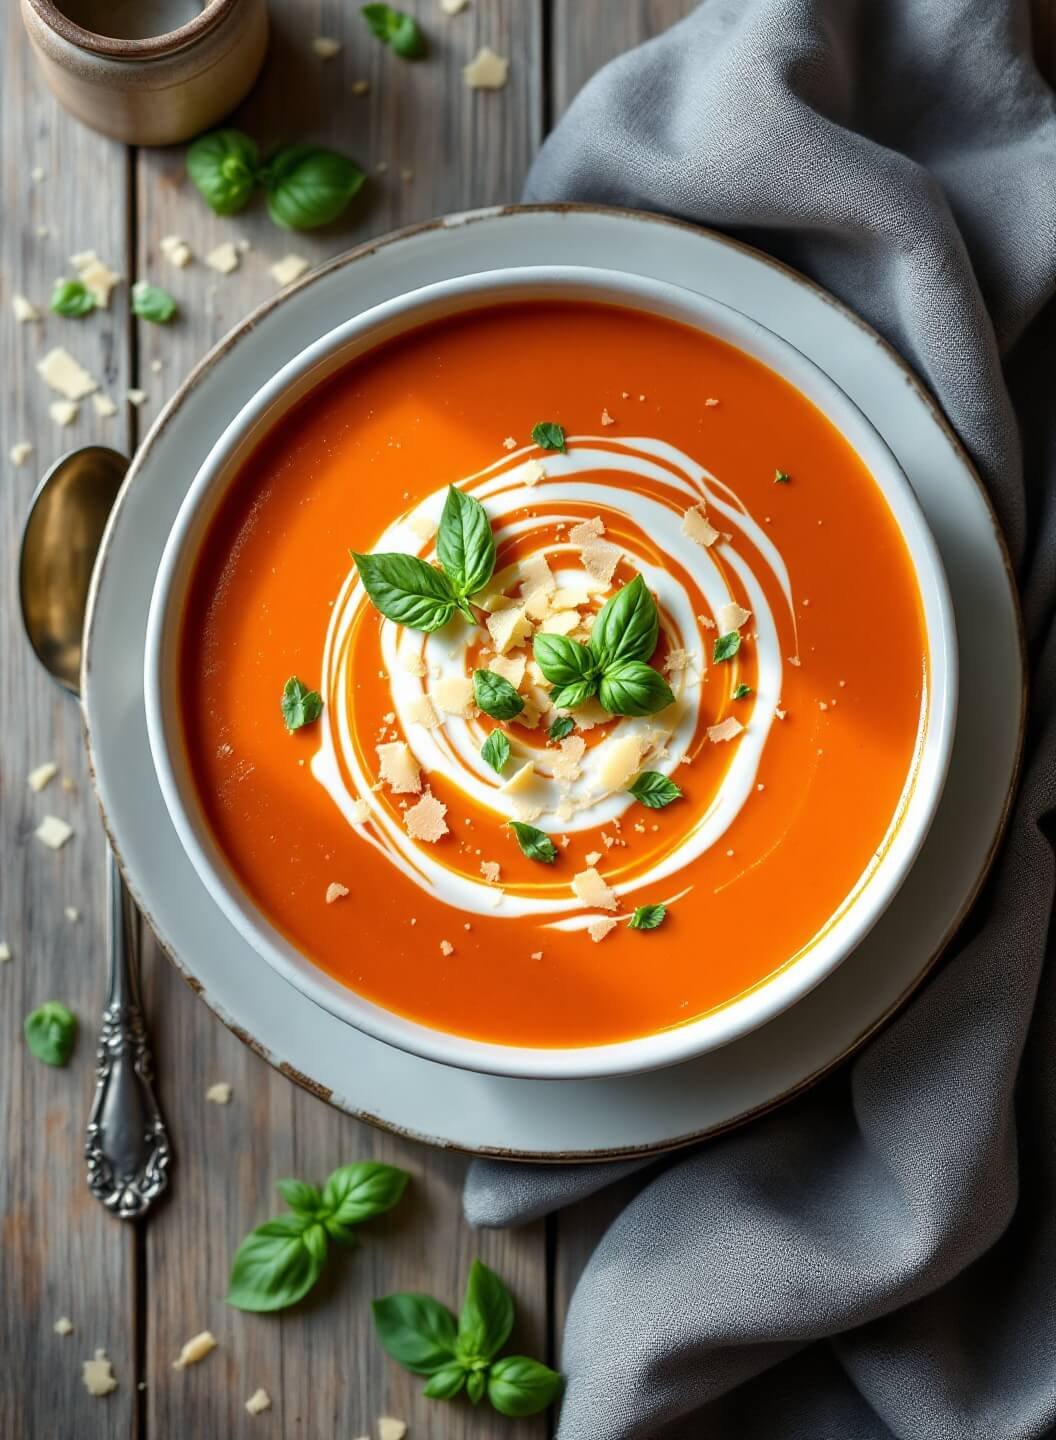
point(475, 1383)
point(407, 590)
point(355, 1193)
point(648, 917)
point(486, 1318)
point(654, 790)
point(72, 298)
point(308, 186)
point(277, 1264)
point(395, 28)
point(742, 692)
point(562, 726)
point(302, 1198)
point(300, 706)
point(496, 751)
point(782, 477)
point(570, 697)
point(627, 627)
point(151, 302)
point(495, 695)
point(223, 165)
point(445, 1384)
point(417, 1331)
point(563, 661)
point(726, 646)
point(534, 843)
point(50, 1032)
point(519, 1386)
point(465, 545)
point(548, 435)
point(634, 688)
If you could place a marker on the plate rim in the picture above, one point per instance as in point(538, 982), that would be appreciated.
point(197, 375)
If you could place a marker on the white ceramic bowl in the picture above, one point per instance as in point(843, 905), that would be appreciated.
point(355, 337)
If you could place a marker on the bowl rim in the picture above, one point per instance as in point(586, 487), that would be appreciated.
point(364, 332)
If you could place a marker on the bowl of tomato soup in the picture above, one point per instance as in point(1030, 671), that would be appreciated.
point(551, 672)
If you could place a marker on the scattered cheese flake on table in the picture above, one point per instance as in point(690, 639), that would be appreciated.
point(398, 768)
point(135, 397)
point(104, 406)
point(490, 869)
point(98, 1375)
point(156, 367)
point(288, 269)
point(453, 7)
point(732, 617)
point(592, 890)
point(727, 729)
point(5, 952)
point(696, 526)
point(72, 913)
point(390, 1429)
point(64, 412)
point(326, 47)
point(62, 372)
point(25, 311)
point(258, 1402)
point(359, 813)
point(335, 891)
point(598, 929)
point(454, 695)
point(197, 1348)
point(42, 775)
point(37, 174)
point(219, 1094)
point(223, 258)
point(20, 452)
point(63, 1325)
point(53, 832)
point(425, 821)
point(175, 250)
point(360, 87)
point(96, 276)
point(446, 948)
point(486, 71)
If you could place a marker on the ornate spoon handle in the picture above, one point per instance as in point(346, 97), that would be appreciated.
point(126, 1145)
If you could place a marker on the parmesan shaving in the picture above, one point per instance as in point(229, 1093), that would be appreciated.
point(732, 617)
point(63, 412)
point(61, 371)
point(63, 1326)
point(422, 711)
point(25, 311)
point(600, 559)
point(53, 832)
point(197, 1348)
point(359, 813)
point(695, 525)
point(104, 406)
point(566, 761)
point(425, 821)
point(592, 890)
point(96, 277)
point(258, 1402)
point(390, 1429)
point(398, 768)
point(536, 575)
point(727, 729)
point(490, 869)
point(510, 667)
point(288, 269)
point(223, 258)
point(42, 775)
point(335, 891)
point(454, 695)
point(176, 251)
point(620, 759)
point(98, 1375)
point(486, 71)
point(598, 929)
point(219, 1094)
point(563, 622)
point(414, 665)
point(20, 452)
point(509, 628)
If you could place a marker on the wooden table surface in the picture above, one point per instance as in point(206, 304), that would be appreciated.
point(140, 1291)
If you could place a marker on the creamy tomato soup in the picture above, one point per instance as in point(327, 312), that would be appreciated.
point(783, 717)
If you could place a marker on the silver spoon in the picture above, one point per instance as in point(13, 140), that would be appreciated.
point(126, 1145)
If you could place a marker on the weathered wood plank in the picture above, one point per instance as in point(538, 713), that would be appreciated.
point(61, 1254)
point(586, 34)
point(320, 1363)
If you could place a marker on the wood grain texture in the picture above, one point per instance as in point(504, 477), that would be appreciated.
point(586, 34)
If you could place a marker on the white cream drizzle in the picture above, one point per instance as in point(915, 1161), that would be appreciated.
point(453, 749)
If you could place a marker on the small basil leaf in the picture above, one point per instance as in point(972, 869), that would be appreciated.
point(465, 545)
point(534, 843)
point(634, 688)
point(50, 1032)
point(417, 1331)
point(519, 1386)
point(495, 695)
point(654, 790)
point(301, 1197)
point(395, 28)
point(407, 590)
point(354, 1193)
point(562, 726)
point(445, 1384)
point(496, 751)
point(223, 165)
point(308, 186)
point(627, 627)
point(742, 692)
point(151, 302)
point(726, 646)
point(648, 917)
point(475, 1383)
point(300, 706)
point(486, 1318)
point(548, 435)
point(563, 661)
point(568, 697)
point(277, 1264)
point(72, 298)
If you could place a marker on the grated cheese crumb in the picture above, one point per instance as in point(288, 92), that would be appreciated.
point(223, 258)
point(20, 452)
point(98, 1375)
point(42, 775)
point(360, 87)
point(175, 250)
point(64, 412)
point(63, 373)
point(486, 71)
point(335, 891)
point(592, 890)
point(606, 418)
point(359, 813)
point(490, 869)
point(288, 269)
point(326, 48)
point(103, 406)
point(53, 832)
point(727, 729)
point(446, 948)
point(96, 276)
point(135, 396)
point(696, 526)
point(399, 768)
point(5, 952)
point(25, 311)
point(219, 1094)
point(677, 660)
point(425, 821)
point(72, 913)
point(598, 929)
point(197, 1348)
point(509, 443)
point(258, 1402)
point(710, 402)
point(453, 7)
point(63, 1325)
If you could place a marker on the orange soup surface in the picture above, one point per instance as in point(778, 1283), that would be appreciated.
point(776, 644)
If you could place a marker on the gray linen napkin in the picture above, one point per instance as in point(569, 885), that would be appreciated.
point(879, 1258)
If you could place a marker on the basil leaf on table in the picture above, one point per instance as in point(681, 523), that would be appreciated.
point(648, 917)
point(476, 1382)
point(151, 302)
point(465, 545)
point(495, 695)
point(559, 728)
point(396, 29)
point(72, 298)
point(564, 661)
point(223, 166)
point(407, 590)
point(496, 751)
point(486, 1318)
point(654, 790)
point(634, 688)
point(277, 1264)
point(445, 1384)
point(308, 186)
point(302, 1198)
point(300, 706)
point(726, 647)
point(520, 1386)
point(50, 1032)
point(548, 435)
point(534, 843)
point(627, 627)
point(417, 1331)
point(355, 1193)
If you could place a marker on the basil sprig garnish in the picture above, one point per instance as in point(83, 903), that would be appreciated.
point(654, 790)
point(300, 706)
point(151, 302)
point(396, 29)
point(495, 695)
point(72, 298)
point(306, 185)
point(613, 664)
point(496, 751)
point(412, 593)
point(424, 1337)
point(648, 917)
point(50, 1032)
point(726, 646)
point(279, 1262)
point(548, 435)
point(534, 843)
